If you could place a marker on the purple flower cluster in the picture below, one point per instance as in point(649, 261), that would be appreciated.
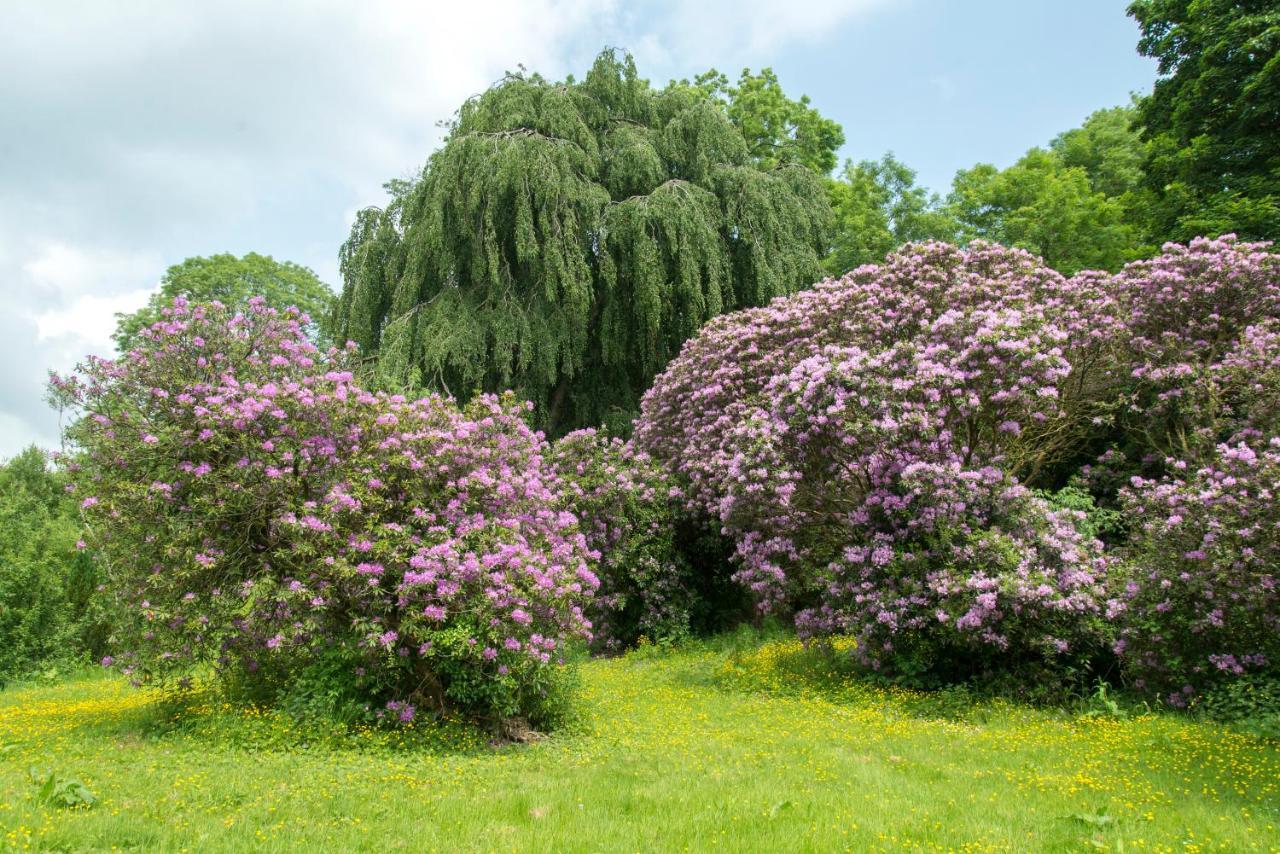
point(256, 507)
point(1197, 330)
point(863, 442)
point(627, 508)
point(867, 444)
point(1204, 597)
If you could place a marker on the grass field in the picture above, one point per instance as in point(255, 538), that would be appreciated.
point(762, 746)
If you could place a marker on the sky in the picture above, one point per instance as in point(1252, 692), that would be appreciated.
point(136, 134)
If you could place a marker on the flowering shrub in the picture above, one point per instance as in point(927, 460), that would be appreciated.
point(1198, 342)
point(961, 572)
point(260, 511)
point(1199, 353)
point(931, 294)
point(626, 506)
point(1204, 600)
point(863, 444)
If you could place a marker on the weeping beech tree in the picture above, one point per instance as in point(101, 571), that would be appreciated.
point(567, 239)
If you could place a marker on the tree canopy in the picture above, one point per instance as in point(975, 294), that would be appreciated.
point(232, 281)
point(1082, 202)
point(569, 236)
point(777, 129)
point(878, 207)
point(1045, 205)
point(47, 586)
point(1214, 162)
point(1108, 147)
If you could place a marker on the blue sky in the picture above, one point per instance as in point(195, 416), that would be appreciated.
point(137, 133)
point(945, 85)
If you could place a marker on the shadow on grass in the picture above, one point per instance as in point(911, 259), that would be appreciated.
point(102, 707)
point(203, 715)
point(774, 662)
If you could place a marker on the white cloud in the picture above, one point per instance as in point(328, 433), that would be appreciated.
point(59, 304)
point(69, 271)
point(18, 434)
point(69, 296)
point(89, 320)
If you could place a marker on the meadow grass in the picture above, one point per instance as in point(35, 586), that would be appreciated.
point(746, 746)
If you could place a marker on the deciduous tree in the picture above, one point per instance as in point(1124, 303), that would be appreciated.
point(569, 237)
point(233, 281)
point(1214, 163)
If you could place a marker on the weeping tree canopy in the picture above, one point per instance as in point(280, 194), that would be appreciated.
point(567, 239)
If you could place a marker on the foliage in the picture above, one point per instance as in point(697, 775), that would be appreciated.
point(257, 511)
point(1204, 599)
point(1042, 204)
point(568, 237)
point(1214, 160)
point(370, 262)
point(626, 507)
point(49, 608)
point(58, 791)
point(232, 281)
point(1109, 148)
point(877, 208)
point(1092, 520)
point(1103, 704)
point(1251, 702)
point(778, 130)
point(1081, 203)
point(863, 443)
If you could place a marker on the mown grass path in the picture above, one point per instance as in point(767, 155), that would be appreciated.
point(764, 749)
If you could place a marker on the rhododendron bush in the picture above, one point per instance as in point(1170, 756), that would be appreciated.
point(869, 445)
point(1204, 600)
point(259, 511)
point(1199, 465)
point(862, 443)
point(626, 506)
point(1196, 330)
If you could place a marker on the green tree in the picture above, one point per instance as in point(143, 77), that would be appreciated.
point(233, 281)
point(49, 609)
point(1109, 148)
point(878, 207)
point(1043, 205)
point(568, 237)
point(777, 129)
point(1214, 162)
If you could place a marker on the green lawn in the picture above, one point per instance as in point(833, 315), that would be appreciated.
point(765, 748)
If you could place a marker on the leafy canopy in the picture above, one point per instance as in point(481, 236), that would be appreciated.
point(878, 207)
point(569, 237)
point(232, 281)
point(48, 608)
point(1079, 203)
point(1214, 163)
point(1108, 147)
point(1049, 207)
point(777, 129)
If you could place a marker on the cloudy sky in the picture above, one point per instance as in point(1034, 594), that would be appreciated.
point(136, 134)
